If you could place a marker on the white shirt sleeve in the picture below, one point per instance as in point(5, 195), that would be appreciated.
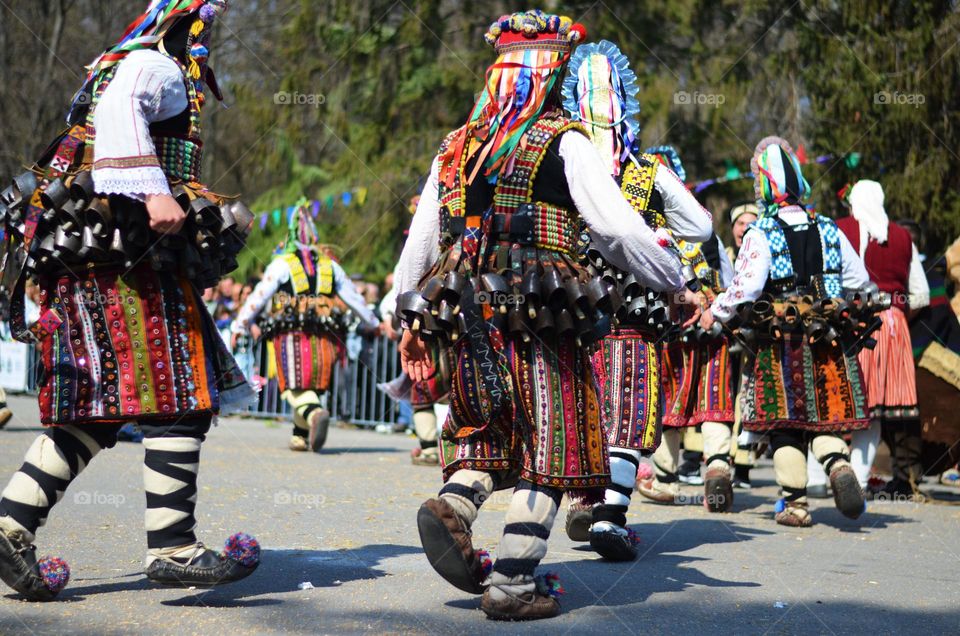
point(854, 274)
point(917, 285)
point(421, 249)
point(276, 274)
point(615, 228)
point(726, 267)
point(686, 218)
point(348, 293)
point(147, 87)
point(749, 278)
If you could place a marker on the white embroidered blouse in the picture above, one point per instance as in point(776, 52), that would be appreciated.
point(147, 87)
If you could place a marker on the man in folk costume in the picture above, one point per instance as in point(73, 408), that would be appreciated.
point(893, 263)
point(123, 333)
point(306, 295)
point(696, 381)
point(600, 91)
point(504, 203)
point(803, 388)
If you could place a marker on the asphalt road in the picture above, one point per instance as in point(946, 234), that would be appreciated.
point(343, 521)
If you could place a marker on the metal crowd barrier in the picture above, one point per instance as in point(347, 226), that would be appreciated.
point(353, 397)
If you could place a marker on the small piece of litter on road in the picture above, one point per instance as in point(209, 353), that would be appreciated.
point(306, 585)
point(337, 582)
point(873, 583)
point(779, 604)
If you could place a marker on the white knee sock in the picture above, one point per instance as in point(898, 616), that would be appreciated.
point(863, 451)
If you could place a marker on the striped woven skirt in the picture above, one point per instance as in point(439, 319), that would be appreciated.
point(889, 372)
point(132, 346)
point(627, 369)
point(697, 384)
point(790, 384)
point(306, 361)
point(549, 433)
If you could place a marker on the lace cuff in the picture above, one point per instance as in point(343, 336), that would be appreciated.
point(135, 182)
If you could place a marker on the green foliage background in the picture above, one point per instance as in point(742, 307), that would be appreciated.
point(396, 75)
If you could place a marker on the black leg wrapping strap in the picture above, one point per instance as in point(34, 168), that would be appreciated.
point(626, 491)
point(515, 567)
point(47, 482)
point(26, 515)
point(308, 409)
point(553, 493)
point(180, 532)
point(625, 456)
point(830, 459)
point(470, 494)
point(792, 494)
point(527, 529)
point(719, 456)
point(665, 477)
point(613, 514)
point(72, 448)
point(425, 444)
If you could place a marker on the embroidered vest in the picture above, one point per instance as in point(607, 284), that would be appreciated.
point(553, 227)
point(782, 280)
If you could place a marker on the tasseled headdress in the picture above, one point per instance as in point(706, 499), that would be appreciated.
point(532, 47)
point(147, 31)
point(778, 179)
point(601, 91)
point(302, 236)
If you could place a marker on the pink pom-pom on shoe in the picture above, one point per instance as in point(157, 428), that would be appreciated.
point(242, 548)
point(645, 471)
point(54, 572)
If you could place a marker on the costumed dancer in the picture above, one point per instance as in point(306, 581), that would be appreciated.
point(893, 263)
point(123, 334)
point(600, 92)
point(741, 216)
point(493, 252)
point(308, 298)
point(696, 382)
point(801, 383)
point(935, 334)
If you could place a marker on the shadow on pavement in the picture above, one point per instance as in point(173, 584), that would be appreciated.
point(280, 571)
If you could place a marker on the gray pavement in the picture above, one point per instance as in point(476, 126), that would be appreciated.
point(344, 522)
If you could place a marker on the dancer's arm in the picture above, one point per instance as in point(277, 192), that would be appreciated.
point(686, 218)
point(618, 232)
point(421, 249)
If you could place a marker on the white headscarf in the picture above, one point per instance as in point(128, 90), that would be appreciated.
point(866, 206)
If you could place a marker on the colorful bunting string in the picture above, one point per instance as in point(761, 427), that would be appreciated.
point(851, 160)
point(354, 196)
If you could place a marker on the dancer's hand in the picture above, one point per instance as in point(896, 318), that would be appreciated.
point(695, 303)
point(414, 357)
point(706, 320)
point(166, 215)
